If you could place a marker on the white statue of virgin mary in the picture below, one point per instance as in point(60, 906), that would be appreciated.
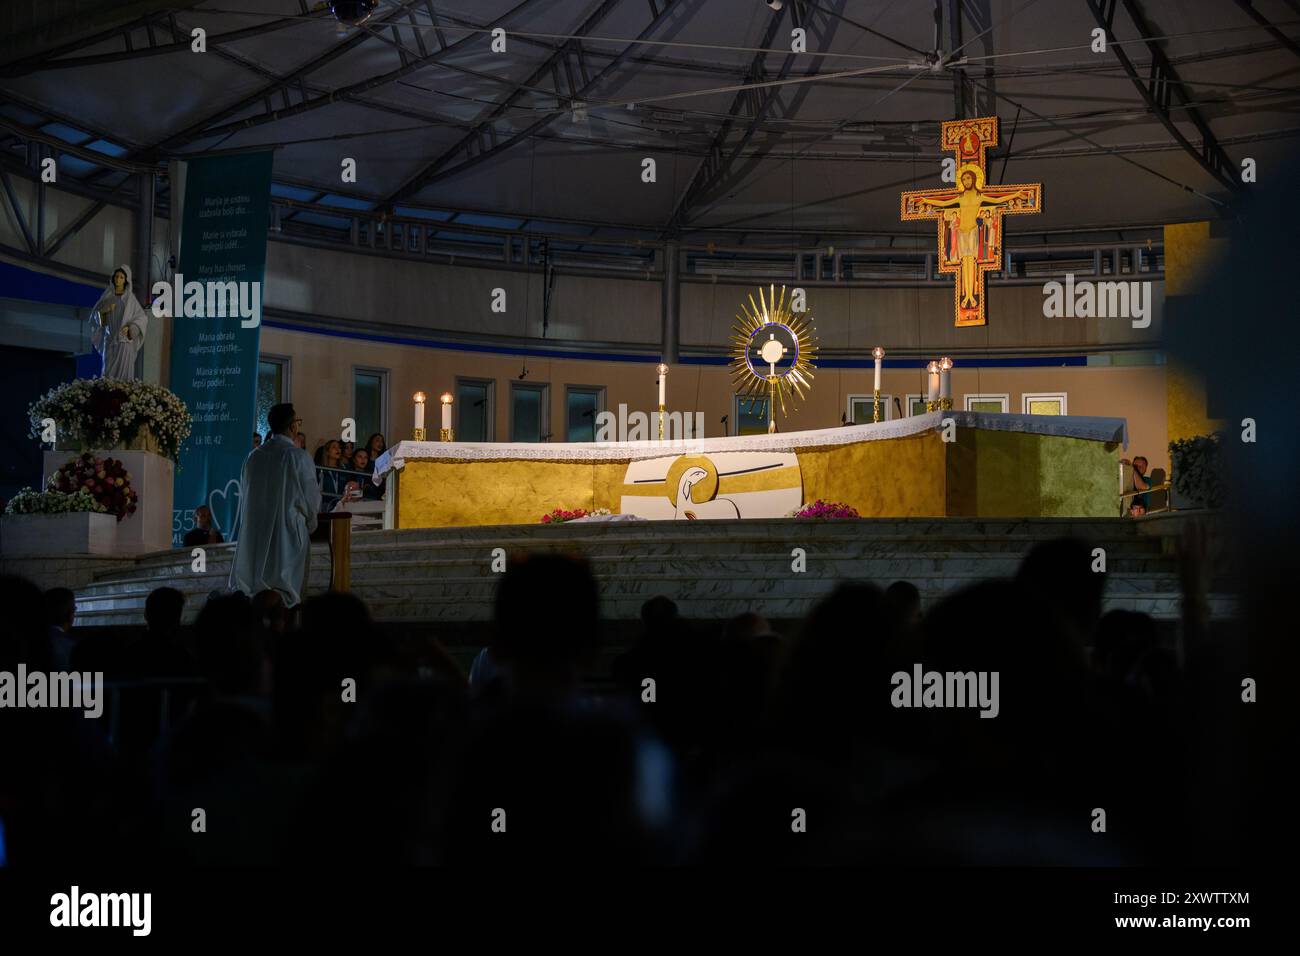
point(118, 325)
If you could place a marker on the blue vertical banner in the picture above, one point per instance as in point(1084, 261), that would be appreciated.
point(216, 304)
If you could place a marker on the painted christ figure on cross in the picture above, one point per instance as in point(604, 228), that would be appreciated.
point(969, 216)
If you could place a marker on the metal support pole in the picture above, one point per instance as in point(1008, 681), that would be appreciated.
point(39, 237)
point(148, 359)
point(143, 245)
point(671, 301)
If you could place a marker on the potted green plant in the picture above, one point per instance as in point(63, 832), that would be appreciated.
point(1197, 464)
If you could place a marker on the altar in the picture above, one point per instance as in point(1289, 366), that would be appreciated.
point(942, 463)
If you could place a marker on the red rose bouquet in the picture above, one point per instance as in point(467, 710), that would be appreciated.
point(104, 479)
point(559, 516)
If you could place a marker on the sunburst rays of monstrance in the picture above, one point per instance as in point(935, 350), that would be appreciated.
point(772, 349)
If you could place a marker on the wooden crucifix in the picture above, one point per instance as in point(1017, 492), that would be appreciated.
point(969, 215)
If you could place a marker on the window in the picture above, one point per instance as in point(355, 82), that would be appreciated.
point(915, 405)
point(859, 410)
point(582, 403)
point(750, 415)
point(369, 402)
point(475, 409)
point(530, 418)
point(987, 403)
point(1043, 403)
point(272, 387)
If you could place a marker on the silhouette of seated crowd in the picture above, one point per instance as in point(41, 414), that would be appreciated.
point(331, 738)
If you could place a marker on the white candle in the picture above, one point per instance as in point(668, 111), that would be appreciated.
point(932, 389)
point(945, 382)
point(419, 410)
point(877, 385)
point(663, 383)
point(446, 414)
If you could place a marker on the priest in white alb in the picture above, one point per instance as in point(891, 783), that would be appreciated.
point(279, 503)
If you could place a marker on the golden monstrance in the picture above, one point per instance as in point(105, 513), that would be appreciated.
point(772, 350)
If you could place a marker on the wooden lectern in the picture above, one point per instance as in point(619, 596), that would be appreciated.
point(335, 527)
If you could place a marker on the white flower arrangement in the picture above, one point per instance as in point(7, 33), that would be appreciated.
point(31, 502)
point(109, 413)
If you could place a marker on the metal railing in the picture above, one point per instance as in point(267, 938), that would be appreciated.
point(862, 259)
point(1165, 486)
point(334, 481)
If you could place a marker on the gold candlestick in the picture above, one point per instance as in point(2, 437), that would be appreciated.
point(446, 434)
point(661, 423)
point(945, 404)
point(420, 434)
point(875, 405)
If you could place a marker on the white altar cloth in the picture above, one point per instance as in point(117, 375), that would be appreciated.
point(1069, 426)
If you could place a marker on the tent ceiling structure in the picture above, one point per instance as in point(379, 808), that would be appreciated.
point(751, 142)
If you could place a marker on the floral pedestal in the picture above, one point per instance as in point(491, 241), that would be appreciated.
point(152, 477)
point(143, 440)
point(79, 532)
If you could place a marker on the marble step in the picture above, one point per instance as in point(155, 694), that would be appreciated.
point(642, 533)
point(454, 574)
point(711, 539)
point(394, 545)
point(889, 568)
point(1161, 605)
point(722, 548)
point(479, 591)
point(1044, 527)
point(823, 560)
point(716, 565)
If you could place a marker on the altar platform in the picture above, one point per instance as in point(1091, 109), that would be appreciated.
point(442, 582)
point(984, 466)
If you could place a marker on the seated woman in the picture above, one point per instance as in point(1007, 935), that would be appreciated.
point(360, 481)
point(330, 474)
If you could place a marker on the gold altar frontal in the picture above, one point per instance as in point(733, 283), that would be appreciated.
point(993, 466)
